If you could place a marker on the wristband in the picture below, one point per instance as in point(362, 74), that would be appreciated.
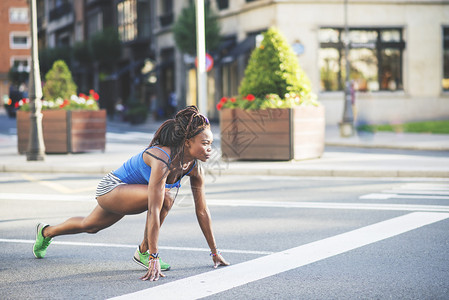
point(214, 254)
point(154, 256)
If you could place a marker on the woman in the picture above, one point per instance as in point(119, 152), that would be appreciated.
point(149, 181)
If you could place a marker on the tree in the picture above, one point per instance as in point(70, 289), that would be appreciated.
point(106, 47)
point(185, 29)
point(273, 68)
point(59, 82)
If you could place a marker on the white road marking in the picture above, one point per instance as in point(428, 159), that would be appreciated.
point(417, 192)
point(380, 196)
point(226, 278)
point(330, 205)
point(256, 203)
point(82, 244)
point(45, 197)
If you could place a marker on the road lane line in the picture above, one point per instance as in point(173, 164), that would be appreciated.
point(377, 196)
point(417, 192)
point(257, 203)
point(226, 278)
point(330, 205)
point(82, 244)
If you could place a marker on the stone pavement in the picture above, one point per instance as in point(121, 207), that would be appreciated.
point(364, 155)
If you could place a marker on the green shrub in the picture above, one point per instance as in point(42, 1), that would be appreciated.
point(59, 82)
point(273, 68)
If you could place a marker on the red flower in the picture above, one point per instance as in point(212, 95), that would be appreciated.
point(91, 92)
point(250, 97)
point(96, 96)
point(232, 100)
point(81, 95)
point(220, 105)
point(223, 100)
point(16, 105)
point(65, 103)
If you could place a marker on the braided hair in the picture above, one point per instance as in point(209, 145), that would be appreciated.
point(173, 133)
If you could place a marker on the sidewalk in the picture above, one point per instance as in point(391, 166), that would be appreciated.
point(369, 155)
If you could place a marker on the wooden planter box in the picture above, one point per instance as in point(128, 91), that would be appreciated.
point(66, 131)
point(272, 134)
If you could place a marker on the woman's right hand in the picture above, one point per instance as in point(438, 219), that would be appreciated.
point(154, 270)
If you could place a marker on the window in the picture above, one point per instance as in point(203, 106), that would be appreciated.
point(445, 81)
point(22, 64)
point(18, 15)
point(19, 40)
point(127, 20)
point(166, 17)
point(375, 57)
point(94, 23)
point(222, 4)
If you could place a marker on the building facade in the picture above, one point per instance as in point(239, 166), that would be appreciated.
point(398, 53)
point(16, 45)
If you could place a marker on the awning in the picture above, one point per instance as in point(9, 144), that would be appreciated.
point(245, 46)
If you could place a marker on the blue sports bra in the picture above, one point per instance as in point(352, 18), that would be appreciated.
point(136, 171)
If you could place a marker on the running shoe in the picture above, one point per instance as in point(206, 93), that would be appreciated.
point(41, 244)
point(142, 260)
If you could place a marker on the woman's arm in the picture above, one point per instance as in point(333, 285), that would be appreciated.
point(203, 214)
point(156, 193)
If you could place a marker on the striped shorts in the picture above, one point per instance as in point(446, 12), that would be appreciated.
point(107, 184)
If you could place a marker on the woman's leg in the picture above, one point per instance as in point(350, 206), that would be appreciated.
point(123, 200)
point(97, 220)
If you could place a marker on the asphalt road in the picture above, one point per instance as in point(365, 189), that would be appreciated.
point(286, 238)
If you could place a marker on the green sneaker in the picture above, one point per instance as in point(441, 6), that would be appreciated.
point(142, 260)
point(41, 244)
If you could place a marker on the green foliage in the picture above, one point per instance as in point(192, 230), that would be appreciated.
point(81, 52)
point(185, 29)
point(105, 46)
point(436, 127)
point(273, 68)
point(59, 82)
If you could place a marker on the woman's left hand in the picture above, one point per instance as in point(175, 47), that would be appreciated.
point(219, 261)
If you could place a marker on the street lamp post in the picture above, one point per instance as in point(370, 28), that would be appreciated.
point(201, 56)
point(36, 147)
point(347, 124)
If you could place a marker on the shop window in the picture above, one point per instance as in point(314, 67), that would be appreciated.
point(375, 57)
point(445, 81)
point(127, 20)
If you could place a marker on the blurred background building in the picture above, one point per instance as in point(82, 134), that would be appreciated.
point(399, 51)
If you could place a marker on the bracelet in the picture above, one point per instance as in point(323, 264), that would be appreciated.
point(215, 254)
point(154, 256)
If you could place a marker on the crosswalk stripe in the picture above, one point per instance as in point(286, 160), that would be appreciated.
point(226, 278)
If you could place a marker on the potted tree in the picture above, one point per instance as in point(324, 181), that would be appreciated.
point(71, 123)
point(275, 116)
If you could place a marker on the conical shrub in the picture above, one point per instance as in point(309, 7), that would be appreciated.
point(273, 68)
point(59, 82)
